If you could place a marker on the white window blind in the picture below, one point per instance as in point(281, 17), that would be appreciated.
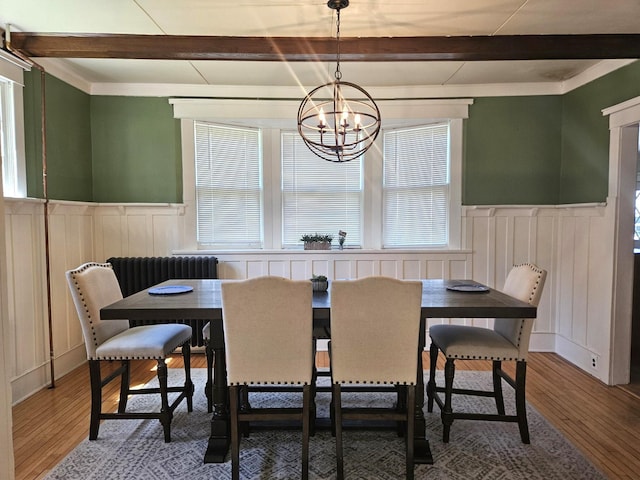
point(10, 186)
point(416, 187)
point(228, 186)
point(319, 196)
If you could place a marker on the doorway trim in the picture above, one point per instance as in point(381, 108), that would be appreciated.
point(623, 158)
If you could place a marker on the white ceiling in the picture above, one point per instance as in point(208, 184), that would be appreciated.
point(313, 18)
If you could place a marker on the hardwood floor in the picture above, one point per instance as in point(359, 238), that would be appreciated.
point(602, 421)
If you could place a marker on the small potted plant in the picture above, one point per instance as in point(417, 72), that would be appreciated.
point(317, 241)
point(320, 283)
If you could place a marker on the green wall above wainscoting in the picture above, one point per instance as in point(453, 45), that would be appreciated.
point(585, 134)
point(136, 150)
point(536, 150)
point(512, 151)
point(69, 172)
point(99, 148)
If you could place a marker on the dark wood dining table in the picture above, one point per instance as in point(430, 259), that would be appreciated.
point(204, 302)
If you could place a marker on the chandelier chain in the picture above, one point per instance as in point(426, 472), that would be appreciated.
point(338, 73)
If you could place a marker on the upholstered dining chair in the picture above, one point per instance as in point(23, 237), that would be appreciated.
point(374, 341)
point(257, 314)
point(507, 341)
point(93, 286)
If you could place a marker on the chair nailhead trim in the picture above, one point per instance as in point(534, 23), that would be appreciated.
point(480, 357)
point(532, 295)
point(84, 304)
point(373, 382)
point(267, 383)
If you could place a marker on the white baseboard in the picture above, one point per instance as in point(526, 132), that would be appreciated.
point(40, 377)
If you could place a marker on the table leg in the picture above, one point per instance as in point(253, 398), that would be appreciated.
point(220, 437)
point(421, 448)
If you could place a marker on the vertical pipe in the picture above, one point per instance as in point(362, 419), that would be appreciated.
point(45, 194)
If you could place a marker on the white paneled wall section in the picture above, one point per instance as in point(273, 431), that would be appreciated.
point(571, 242)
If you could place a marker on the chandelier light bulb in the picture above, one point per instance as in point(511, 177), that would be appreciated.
point(321, 119)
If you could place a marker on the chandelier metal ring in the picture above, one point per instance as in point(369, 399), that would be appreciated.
point(338, 121)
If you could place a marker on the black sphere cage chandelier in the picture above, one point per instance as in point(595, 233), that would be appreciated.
point(338, 121)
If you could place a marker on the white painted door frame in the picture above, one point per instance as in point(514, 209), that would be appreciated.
point(623, 155)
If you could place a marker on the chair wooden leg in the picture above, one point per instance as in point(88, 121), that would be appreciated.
point(497, 386)
point(313, 390)
point(411, 404)
point(431, 385)
point(208, 389)
point(188, 384)
point(337, 406)
point(235, 436)
point(521, 404)
point(124, 386)
point(96, 398)
point(165, 417)
point(447, 411)
point(244, 406)
point(401, 406)
point(306, 428)
point(332, 411)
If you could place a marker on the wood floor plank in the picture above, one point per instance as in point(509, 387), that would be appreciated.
point(602, 421)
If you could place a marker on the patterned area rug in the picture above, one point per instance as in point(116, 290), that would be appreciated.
point(135, 449)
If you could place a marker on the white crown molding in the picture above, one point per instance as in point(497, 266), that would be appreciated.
point(64, 73)
point(61, 71)
point(600, 69)
point(288, 92)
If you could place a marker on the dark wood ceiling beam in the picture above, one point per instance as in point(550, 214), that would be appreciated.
point(307, 49)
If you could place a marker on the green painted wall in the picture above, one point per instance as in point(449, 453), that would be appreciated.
point(68, 139)
point(512, 151)
point(517, 150)
point(136, 150)
point(585, 134)
point(32, 129)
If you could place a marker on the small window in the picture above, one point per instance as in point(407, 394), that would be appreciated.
point(228, 186)
point(319, 196)
point(10, 173)
point(416, 187)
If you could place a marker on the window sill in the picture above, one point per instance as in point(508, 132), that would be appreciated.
point(333, 251)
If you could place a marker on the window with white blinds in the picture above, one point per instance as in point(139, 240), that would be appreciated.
point(10, 185)
point(228, 186)
point(416, 187)
point(319, 196)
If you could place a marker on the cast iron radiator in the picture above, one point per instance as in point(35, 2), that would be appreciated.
point(137, 273)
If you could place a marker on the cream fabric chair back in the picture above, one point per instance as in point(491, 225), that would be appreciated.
point(93, 286)
point(268, 331)
point(524, 282)
point(375, 323)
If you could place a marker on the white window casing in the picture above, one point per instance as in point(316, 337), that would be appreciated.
point(276, 119)
point(12, 141)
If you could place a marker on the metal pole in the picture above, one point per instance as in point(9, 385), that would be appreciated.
point(45, 194)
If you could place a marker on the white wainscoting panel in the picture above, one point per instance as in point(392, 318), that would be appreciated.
point(28, 357)
point(138, 230)
point(572, 242)
point(342, 264)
